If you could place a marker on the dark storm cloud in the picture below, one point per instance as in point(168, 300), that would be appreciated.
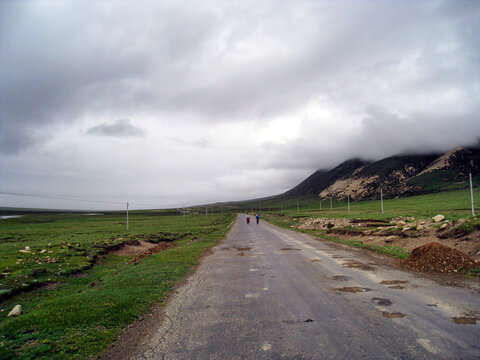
point(62, 60)
point(341, 79)
point(120, 128)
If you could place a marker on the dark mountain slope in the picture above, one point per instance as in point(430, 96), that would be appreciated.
point(322, 179)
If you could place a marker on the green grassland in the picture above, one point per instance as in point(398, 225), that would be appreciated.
point(84, 314)
point(454, 205)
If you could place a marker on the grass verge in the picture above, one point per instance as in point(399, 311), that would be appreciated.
point(79, 316)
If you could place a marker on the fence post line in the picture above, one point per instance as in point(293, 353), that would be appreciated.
point(381, 198)
point(471, 195)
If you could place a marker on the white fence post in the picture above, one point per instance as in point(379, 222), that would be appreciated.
point(471, 195)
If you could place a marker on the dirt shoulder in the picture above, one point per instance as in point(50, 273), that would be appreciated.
point(408, 233)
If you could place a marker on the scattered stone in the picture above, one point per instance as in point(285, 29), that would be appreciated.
point(438, 218)
point(24, 251)
point(27, 248)
point(43, 251)
point(444, 226)
point(390, 239)
point(16, 311)
point(401, 223)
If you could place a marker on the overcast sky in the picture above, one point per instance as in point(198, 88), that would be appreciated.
point(187, 102)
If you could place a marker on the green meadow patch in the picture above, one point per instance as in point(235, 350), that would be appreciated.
point(454, 205)
point(76, 296)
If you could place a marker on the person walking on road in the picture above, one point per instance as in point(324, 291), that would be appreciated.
point(248, 219)
point(258, 218)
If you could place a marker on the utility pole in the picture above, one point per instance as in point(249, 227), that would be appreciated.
point(127, 215)
point(381, 198)
point(471, 195)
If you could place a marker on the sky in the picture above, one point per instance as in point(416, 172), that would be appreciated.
point(171, 103)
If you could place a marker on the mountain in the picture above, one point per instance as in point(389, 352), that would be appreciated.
point(397, 175)
point(321, 179)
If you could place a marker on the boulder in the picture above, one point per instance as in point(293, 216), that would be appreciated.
point(17, 310)
point(401, 223)
point(444, 226)
point(438, 218)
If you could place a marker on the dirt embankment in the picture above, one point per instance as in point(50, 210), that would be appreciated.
point(408, 233)
point(435, 257)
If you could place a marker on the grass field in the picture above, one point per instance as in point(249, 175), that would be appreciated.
point(89, 301)
point(453, 204)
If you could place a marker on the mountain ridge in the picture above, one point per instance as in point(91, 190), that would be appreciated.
point(398, 175)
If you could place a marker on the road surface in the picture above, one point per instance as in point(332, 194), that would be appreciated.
point(270, 293)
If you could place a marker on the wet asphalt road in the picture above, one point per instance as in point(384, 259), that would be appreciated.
point(269, 293)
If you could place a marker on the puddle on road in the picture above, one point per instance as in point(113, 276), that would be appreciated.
point(352, 289)
point(465, 320)
point(397, 287)
point(358, 265)
point(242, 248)
point(292, 322)
point(381, 301)
point(340, 278)
point(393, 315)
point(393, 282)
point(289, 249)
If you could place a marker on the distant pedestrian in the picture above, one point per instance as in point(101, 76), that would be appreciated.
point(248, 219)
point(257, 217)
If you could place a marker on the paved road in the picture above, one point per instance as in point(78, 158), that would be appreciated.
point(269, 293)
